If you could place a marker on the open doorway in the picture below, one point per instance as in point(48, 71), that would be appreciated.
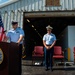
point(35, 28)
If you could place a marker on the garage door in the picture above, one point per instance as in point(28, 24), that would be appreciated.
point(50, 14)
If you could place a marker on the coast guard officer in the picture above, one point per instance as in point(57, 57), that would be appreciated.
point(16, 35)
point(49, 41)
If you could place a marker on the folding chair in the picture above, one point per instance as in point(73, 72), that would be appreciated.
point(58, 53)
point(38, 53)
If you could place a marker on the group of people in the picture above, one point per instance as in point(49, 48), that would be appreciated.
point(16, 34)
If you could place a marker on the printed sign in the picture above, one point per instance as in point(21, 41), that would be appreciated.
point(1, 56)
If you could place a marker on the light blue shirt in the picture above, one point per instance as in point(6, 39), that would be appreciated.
point(49, 38)
point(14, 35)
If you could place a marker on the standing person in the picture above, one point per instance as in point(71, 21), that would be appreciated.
point(16, 35)
point(49, 41)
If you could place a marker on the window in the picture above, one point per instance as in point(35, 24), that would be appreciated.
point(52, 2)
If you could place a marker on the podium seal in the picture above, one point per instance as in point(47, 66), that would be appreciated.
point(1, 56)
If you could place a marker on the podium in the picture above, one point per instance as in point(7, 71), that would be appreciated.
point(10, 64)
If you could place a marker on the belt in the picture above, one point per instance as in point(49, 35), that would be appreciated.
point(48, 45)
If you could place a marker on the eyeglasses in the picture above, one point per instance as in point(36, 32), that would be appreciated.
point(48, 30)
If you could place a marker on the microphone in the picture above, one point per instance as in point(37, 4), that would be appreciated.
point(4, 31)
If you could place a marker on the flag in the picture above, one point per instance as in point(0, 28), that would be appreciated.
point(2, 32)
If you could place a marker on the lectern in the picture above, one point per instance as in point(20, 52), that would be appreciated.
point(10, 63)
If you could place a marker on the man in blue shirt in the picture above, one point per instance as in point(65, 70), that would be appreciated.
point(49, 41)
point(16, 35)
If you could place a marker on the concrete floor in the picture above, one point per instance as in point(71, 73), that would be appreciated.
point(28, 69)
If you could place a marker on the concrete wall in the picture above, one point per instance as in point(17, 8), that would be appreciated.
point(71, 40)
point(67, 40)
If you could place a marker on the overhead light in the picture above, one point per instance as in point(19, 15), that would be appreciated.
point(62, 35)
point(35, 29)
point(28, 20)
point(39, 35)
point(32, 26)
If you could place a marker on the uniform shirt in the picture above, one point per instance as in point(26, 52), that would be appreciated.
point(14, 35)
point(49, 38)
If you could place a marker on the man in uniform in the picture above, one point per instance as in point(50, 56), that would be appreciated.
point(16, 35)
point(49, 41)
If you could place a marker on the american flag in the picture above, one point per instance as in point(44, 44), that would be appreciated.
point(2, 33)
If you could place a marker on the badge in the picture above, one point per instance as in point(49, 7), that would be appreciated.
point(1, 56)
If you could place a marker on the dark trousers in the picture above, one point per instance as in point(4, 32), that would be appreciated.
point(48, 56)
point(20, 55)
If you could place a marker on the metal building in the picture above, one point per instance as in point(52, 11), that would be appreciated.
point(27, 9)
point(16, 9)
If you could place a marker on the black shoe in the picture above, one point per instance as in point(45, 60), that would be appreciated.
point(51, 69)
point(46, 69)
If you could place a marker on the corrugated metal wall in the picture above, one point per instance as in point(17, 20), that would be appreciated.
point(15, 10)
